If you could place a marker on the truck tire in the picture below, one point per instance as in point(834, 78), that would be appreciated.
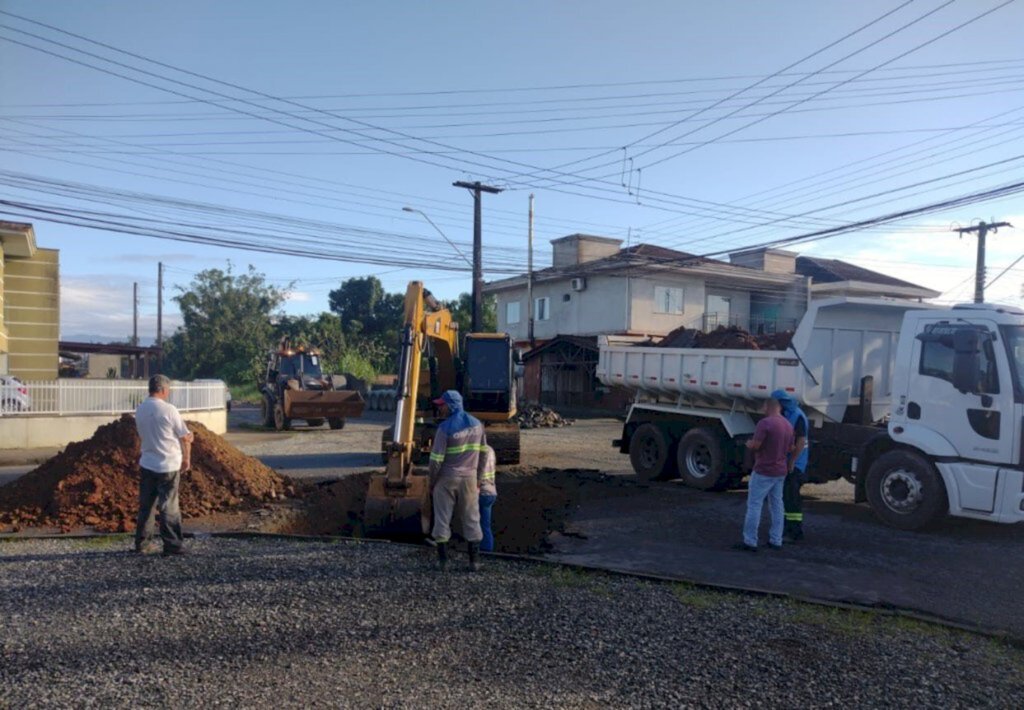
point(315, 422)
point(267, 411)
point(905, 490)
point(336, 422)
point(281, 422)
point(650, 452)
point(700, 459)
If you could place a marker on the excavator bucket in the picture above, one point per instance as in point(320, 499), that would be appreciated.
point(326, 404)
point(398, 510)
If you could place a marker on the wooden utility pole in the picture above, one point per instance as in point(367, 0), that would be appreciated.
point(529, 277)
point(478, 274)
point(982, 229)
point(135, 328)
point(160, 317)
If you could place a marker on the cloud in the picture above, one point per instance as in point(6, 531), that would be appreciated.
point(298, 297)
point(101, 305)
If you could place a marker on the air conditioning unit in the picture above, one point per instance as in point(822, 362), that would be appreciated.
point(578, 284)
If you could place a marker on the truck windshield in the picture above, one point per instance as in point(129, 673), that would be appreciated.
point(1013, 336)
point(311, 365)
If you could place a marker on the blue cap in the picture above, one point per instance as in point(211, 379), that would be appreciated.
point(782, 396)
point(451, 398)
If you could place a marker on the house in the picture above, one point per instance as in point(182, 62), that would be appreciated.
point(595, 287)
point(30, 317)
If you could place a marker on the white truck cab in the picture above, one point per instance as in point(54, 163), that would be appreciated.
point(958, 401)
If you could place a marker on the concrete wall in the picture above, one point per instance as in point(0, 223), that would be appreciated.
point(37, 431)
point(643, 318)
point(600, 308)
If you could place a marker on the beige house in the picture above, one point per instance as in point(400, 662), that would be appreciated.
point(30, 295)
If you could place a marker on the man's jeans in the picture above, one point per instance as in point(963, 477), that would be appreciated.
point(762, 487)
point(486, 504)
point(159, 491)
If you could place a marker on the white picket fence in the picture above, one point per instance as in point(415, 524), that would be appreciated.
point(72, 396)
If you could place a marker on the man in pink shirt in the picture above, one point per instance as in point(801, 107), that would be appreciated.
point(772, 444)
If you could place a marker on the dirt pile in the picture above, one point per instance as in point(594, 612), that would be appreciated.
point(532, 416)
point(725, 338)
point(95, 482)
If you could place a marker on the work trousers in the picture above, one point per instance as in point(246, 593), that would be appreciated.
point(486, 505)
point(762, 487)
point(159, 492)
point(794, 504)
point(453, 493)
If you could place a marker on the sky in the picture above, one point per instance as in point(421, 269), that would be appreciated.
point(308, 127)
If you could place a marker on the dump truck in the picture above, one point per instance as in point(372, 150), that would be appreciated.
point(921, 408)
point(295, 387)
point(430, 362)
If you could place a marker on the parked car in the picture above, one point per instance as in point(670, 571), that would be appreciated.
point(14, 396)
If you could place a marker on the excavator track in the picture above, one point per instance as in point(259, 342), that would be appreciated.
point(504, 438)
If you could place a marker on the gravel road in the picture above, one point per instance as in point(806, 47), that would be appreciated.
point(288, 624)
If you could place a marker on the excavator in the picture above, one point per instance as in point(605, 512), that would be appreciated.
point(429, 363)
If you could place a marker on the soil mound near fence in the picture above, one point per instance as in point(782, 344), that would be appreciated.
point(95, 482)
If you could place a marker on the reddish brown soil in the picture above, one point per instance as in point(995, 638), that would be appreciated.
point(725, 338)
point(95, 482)
point(532, 503)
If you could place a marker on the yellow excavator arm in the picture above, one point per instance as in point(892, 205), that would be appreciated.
point(398, 500)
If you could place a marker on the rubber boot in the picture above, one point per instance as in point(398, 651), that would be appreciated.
point(474, 556)
point(442, 556)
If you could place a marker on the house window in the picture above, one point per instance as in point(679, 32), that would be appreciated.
point(512, 312)
point(668, 300)
point(542, 308)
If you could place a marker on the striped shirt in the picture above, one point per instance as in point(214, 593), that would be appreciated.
point(458, 454)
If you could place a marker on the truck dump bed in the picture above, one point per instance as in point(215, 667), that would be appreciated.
point(837, 343)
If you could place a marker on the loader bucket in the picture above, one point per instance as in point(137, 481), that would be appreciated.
point(322, 404)
point(397, 511)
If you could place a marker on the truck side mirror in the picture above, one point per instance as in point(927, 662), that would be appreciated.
point(966, 360)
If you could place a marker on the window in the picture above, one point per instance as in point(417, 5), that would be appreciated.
point(542, 308)
point(668, 300)
point(937, 361)
point(511, 312)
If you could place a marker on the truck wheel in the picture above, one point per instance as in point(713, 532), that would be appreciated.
point(700, 459)
point(314, 422)
point(650, 451)
point(905, 490)
point(336, 422)
point(267, 411)
point(281, 422)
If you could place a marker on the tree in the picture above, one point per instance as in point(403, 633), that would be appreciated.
point(462, 313)
point(226, 328)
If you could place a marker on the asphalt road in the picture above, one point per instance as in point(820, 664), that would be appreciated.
point(962, 570)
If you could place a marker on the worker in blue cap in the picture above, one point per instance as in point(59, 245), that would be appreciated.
point(793, 529)
point(455, 464)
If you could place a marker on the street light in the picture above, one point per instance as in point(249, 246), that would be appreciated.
point(423, 214)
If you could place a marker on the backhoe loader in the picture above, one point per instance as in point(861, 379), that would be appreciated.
point(398, 500)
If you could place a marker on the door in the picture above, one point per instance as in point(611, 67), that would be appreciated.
point(717, 310)
point(979, 422)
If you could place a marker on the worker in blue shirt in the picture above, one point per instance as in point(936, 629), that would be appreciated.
point(793, 529)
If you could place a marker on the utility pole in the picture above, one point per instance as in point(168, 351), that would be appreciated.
point(529, 277)
point(982, 230)
point(135, 328)
point(160, 317)
point(478, 274)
